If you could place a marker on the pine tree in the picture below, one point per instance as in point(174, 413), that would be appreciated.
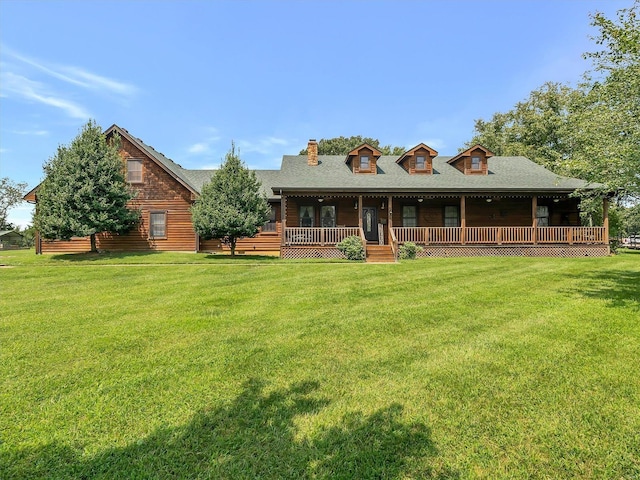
point(230, 205)
point(84, 191)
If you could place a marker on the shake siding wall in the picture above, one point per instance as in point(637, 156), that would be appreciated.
point(158, 192)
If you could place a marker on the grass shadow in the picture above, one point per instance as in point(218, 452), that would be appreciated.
point(102, 256)
point(254, 436)
point(620, 288)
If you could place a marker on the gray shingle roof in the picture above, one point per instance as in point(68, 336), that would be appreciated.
point(505, 174)
point(332, 174)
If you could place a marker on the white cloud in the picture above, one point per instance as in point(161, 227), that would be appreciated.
point(75, 75)
point(21, 215)
point(198, 148)
point(205, 146)
point(36, 91)
point(263, 146)
point(38, 133)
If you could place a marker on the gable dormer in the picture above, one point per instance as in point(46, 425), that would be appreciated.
point(418, 160)
point(363, 159)
point(473, 161)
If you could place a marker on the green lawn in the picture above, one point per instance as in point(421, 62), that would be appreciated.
point(125, 366)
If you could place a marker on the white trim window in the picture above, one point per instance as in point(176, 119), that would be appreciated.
point(475, 163)
point(421, 162)
point(365, 163)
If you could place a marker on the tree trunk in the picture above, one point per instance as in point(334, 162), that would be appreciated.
point(94, 249)
point(232, 244)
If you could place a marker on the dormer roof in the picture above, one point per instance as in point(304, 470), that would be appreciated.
point(376, 153)
point(468, 151)
point(420, 146)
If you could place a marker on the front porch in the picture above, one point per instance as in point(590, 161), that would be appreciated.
point(446, 225)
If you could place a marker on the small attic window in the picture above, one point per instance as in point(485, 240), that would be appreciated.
point(475, 163)
point(421, 162)
point(364, 163)
point(134, 170)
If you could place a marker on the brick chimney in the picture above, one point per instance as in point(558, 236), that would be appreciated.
point(312, 153)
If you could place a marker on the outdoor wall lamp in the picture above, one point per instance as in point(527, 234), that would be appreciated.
point(355, 205)
point(382, 206)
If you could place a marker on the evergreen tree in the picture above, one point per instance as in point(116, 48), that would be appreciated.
point(230, 205)
point(84, 191)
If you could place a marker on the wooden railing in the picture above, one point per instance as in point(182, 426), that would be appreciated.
point(499, 235)
point(428, 235)
point(571, 235)
point(318, 235)
point(393, 241)
point(364, 241)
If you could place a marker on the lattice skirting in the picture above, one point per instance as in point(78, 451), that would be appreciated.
point(516, 251)
point(311, 252)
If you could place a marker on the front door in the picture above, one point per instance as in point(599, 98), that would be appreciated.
point(370, 223)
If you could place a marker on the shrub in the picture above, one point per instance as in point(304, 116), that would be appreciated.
point(409, 251)
point(352, 248)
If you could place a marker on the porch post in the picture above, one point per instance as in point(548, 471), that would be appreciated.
point(360, 211)
point(605, 219)
point(534, 218)
point(283, 218)
point(463, 219)
point(390, 211)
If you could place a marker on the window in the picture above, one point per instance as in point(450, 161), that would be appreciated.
point(475, 163)
point(451, 217)
point(364, 163)
point(134, 170)
point(328, 216)
point(307, 215)
point(158, 224)
point(542, 215)
point(270, 225)
point(409, 216)
point(421, 164)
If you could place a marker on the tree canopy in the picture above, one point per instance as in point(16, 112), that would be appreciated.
point(590, 131)
point(84, 191)
point(11, 194)
point(343, 145)
point(230, 205)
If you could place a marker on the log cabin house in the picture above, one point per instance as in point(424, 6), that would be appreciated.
point(470, 204)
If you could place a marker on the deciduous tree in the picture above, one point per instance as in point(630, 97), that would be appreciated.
point(230, 205)
point(11, 194)
point(343, 145)
point(84, 191)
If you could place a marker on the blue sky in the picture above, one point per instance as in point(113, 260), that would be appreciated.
point(188, 77)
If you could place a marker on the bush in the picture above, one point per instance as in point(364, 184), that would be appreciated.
point(352, 248)
point(409, 250)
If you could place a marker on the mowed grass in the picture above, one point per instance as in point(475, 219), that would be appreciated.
point(125, 366)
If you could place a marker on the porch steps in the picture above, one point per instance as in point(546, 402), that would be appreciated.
point(380, 254)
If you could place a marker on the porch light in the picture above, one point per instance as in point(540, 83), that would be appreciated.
point(321, 200)
point(421, 199)
point(556, 200)
point(489, 200)
point(355, 205)
point(382, 206)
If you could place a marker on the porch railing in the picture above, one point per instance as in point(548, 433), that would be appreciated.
point(329, 236)
point(318, 235)
point(571, 235)
point(499, 235)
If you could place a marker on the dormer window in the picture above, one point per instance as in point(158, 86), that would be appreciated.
point(418, 160)
point(473, 161)
point(363, 159)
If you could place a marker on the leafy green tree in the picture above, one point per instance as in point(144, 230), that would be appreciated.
point(11, 194)
point(230, 206)
point(591, 131)
point(343, 145)
point(84, 191)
